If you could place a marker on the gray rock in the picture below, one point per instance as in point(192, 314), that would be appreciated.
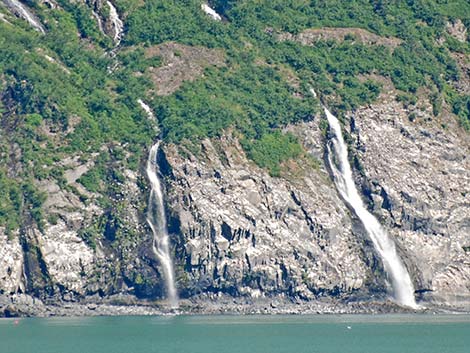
point(246, 233)
point(426, 176)
point(11, 263)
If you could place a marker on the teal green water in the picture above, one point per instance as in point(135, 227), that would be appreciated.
point(233, 334)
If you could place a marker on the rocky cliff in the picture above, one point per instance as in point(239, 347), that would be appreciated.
point(238, 233)
point(418, 181)
point(244, 232)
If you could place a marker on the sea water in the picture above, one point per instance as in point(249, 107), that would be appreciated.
point(231, 334)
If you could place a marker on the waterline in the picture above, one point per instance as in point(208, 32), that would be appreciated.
point(240, 334)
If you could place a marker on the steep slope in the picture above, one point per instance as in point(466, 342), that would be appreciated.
point(418, 176)
point(245, 232)
point(253, 213)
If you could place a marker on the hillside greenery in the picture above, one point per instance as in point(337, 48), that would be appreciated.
point(65, 94)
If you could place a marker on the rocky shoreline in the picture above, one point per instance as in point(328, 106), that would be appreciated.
point(122, 305)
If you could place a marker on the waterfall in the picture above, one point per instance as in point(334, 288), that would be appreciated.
point(98, 20)
point(147, 109)
point(400, 278)
point(117, 23)
point(21, 11)
point(211, 12)
point(156, 218)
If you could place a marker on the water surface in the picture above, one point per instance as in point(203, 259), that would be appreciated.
point(234, 334)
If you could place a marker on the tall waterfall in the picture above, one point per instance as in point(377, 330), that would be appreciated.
point(22, 11)
point(117, 23)
point(400, 278)
point(156, 219)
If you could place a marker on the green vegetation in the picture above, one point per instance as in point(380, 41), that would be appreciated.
point(330, 66)
point(10, 202)
point(51, 110)
point(255, 99)
point(272, 149)
point(82, 104)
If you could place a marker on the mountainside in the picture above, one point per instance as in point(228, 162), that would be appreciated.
point(86, 88)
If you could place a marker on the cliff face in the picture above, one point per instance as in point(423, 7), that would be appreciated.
point(11, 264)
point(237, 230)
point(69, 258)
point(245, 232)
point(418, 174)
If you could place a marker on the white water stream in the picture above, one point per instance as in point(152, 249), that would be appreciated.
point(147, 109)
point(398, 274)
point(117, 23)
point(156, 219)
point(21, 10)
point(211, 12)
point(98, 20)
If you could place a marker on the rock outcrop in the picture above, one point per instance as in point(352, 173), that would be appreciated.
point(245, 232)
point(457, 30)
point(418, 174)
point(181, 63)
point(237, 231)
point(74, 230)
point(358, 35)
point(83, 247)
point(11, 264)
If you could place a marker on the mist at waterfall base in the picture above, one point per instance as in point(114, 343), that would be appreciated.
point(416, 333)
point(385, 247)
point(156, 218)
